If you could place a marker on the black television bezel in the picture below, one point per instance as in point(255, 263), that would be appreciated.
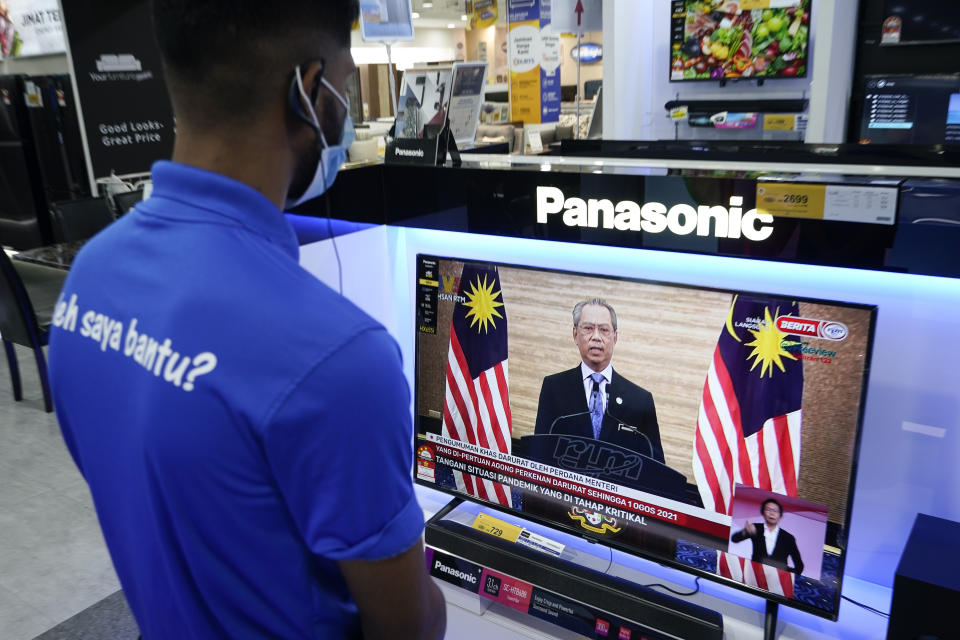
point(672, 563)
point(725, 79)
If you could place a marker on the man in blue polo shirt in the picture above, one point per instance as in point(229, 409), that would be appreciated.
point(244, 430)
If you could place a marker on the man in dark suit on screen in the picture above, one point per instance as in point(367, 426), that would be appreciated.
point(771, 544)
point(592, 400)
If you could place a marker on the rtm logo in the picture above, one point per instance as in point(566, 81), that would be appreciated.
point(654, 217)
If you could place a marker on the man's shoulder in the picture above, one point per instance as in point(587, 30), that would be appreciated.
point(561, 376)
point(786, 535)
point(318, 314)
point(624, 385)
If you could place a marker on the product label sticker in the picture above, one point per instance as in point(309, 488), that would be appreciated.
point(791, 200)
point(496, 527)
point(779, 122)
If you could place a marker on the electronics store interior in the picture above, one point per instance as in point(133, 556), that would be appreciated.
point(763, 194)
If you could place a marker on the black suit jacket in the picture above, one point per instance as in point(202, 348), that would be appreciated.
point(786, 547)
point(562, 394)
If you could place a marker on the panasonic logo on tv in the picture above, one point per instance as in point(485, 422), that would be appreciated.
point(455, 573)
point(655, 217)
point(410, 153)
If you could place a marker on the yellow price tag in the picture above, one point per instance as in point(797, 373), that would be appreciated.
point(791, 200)
point(679, 113)
point(779, 122)
point(749, 5)
point(429, 283)
point(496, 527)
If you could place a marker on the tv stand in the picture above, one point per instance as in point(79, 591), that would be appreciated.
point(770, 621)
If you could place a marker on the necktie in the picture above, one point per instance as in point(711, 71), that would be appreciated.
point(596, 404)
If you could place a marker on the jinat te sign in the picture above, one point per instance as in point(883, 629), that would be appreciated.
point(30, 28)
point(655, 217)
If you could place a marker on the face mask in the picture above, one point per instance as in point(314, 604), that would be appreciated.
point(331, 157)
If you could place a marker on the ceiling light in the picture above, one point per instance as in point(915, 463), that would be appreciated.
point(451, 26)
point(463, 18)
point(416, 16)
point(428, 5)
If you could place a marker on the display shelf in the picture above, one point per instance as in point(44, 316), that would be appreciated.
point(490, 200)
point(566, 590)
point(742, 613)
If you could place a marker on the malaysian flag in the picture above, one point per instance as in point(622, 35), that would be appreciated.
point(755, 574)
point(476, 406)
point(748, 428)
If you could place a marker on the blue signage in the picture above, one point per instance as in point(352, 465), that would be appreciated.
point(587, 53)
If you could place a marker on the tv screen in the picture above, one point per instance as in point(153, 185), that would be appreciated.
point(424, 100)
point(920, 22)
point(923, 110)
point(716, 40)
point(386, 20)
point(717, 416)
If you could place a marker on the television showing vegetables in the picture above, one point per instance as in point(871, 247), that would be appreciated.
point(717, 39)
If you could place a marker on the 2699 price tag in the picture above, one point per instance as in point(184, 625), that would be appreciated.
point(791, 200)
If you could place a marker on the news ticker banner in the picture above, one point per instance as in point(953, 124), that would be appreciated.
point(532, 600)
point(122, 96)
point(534, 58)
point(582, 492)
point(30, 28)
point(865, 204)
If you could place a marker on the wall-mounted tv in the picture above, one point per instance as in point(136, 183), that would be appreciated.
point(714, 40)
point(920, 22)
point(717, 416)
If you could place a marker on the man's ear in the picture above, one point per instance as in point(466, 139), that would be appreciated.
point(310, 75)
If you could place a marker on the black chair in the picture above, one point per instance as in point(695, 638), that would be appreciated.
point(79, 219)
point(590, 88)
point(28, 293)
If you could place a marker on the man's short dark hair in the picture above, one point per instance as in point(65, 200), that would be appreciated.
point(234, 50)
point(769, 500)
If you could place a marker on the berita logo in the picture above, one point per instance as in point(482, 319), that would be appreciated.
point(655, 217)
point(825, 329)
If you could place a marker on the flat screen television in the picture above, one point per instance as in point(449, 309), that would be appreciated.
point(722, 407)
point(424, 101)
point(717, 40)
point(910, 109)
point(920, 22)
point(386, 20)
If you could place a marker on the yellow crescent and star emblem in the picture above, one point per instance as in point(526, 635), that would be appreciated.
point(483, 304)
point(768, 343)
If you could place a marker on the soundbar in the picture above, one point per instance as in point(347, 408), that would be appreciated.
point(658, 612)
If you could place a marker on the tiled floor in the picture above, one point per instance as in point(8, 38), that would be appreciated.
point(53, 562)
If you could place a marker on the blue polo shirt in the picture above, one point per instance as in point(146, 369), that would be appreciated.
point(242, 427)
